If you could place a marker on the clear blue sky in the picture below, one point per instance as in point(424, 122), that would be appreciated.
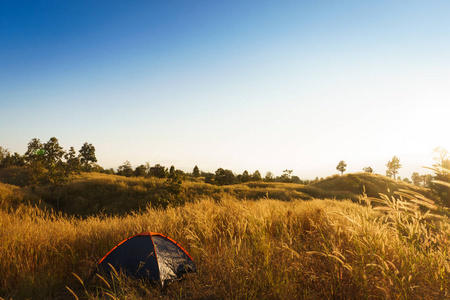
point(268, 85)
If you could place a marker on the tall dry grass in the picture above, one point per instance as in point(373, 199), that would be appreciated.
point(319, 249)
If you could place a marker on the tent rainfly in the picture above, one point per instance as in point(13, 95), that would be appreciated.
point(149, 255)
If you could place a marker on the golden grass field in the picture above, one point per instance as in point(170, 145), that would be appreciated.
point(243, 249)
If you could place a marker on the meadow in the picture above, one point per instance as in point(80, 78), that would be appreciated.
point(253, 241)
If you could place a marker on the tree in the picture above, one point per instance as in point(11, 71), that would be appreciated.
point(393, 166)
point(4, 154)
point(341, 167)
point(171, 171)
point(245, 176)
point(196, 171)
point(125, 169)
point(224, 177)
point(141, 171)
point(406, 179)
point(209, 177)
point(158, 171)
point(256, 176)
point(35, 162)
point(286, 176)
point(368, 169)
point(269, 177)
point(72, 161)
point(56, 168)
point(296, 179)
point(87, 156)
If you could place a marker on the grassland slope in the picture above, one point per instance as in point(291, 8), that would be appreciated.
point(372, 184)
point(271, 249)
point(94, 193)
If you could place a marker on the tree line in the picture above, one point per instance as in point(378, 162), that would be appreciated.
point(49, 164)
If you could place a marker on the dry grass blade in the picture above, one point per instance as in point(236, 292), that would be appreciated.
point(72, 292)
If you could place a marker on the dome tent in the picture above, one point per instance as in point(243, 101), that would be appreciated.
point(149, 255)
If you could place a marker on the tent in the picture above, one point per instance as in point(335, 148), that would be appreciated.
point(149, 255)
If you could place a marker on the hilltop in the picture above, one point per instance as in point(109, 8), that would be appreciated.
point(93, 193)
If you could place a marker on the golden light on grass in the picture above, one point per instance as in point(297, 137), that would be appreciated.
point(243, 249)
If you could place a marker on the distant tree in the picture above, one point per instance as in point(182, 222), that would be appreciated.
point(245, 176)
point(209, 177)
point(56, 174)
point(269, 177)
point(72, 162)
point(416, 179)
point(256, 176)
point(286, 176)
point(97, 168)
point(4, 154)
point(196, 171)
point(87, 156)
point(17, 160)
point(35, 162)
point(406, 179)
point(8, 160)
point(341, 167)
point(141, 171)
point(171, 171)
point(125, 169)
point(296, 179)
point(158, 171)
point(173, 185)
point(109, 171)
point(393, 166)
point(180, 174)
point(368, 169)
point(224, 177)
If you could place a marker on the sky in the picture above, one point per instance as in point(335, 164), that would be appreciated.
point(240, 85)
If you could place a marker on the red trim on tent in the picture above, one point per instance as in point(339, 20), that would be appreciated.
point(143, 233)
point(149, 234)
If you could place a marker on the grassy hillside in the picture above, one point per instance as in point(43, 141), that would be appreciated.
point(94, 193)
point(318, 249)
point(372, 184)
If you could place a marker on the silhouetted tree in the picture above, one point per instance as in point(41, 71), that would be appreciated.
point(256, 176)
point(245, 176)
point(141, 171)
point(368, 169)
point(209, 177)
point(224, 177)
point(53, 161)
point(196, 171)
point(87, 156)
point(286, 176)
point(35, 162)
point(341, 167)
point(296, 179)
point(158, 171)
point(72, 162)
point(269, 177)
point(125, 169)
point(171, 171)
